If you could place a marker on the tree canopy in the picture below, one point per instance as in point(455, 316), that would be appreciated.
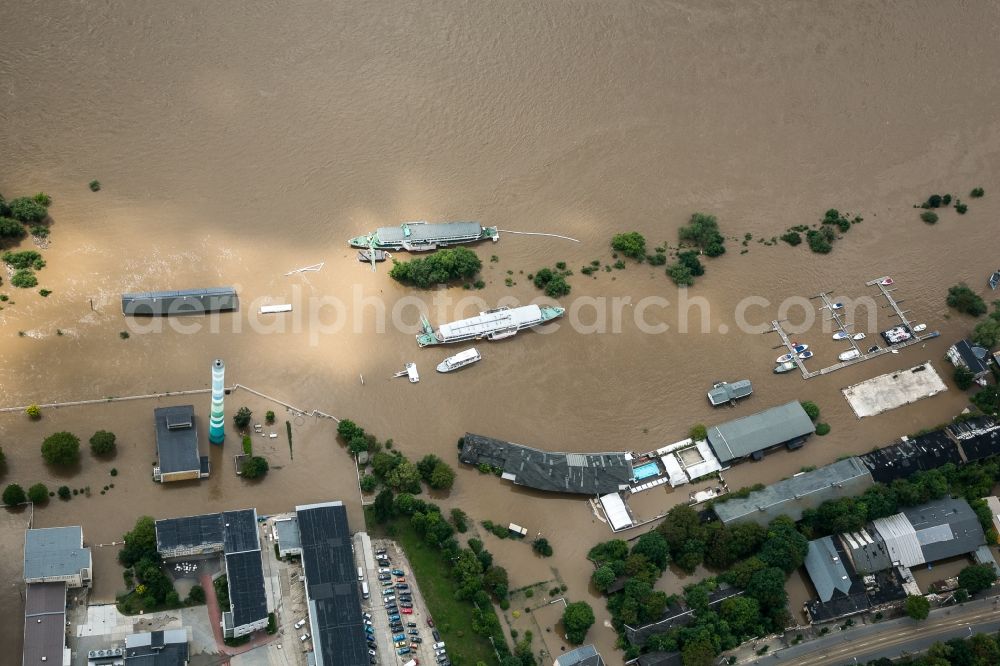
point(963, 299)
point(577, 618)
point(102, 443)
point(38, 493)
point(13, 495)
point(255, 467)
point(631, 244)
point(703, 231)
point(977, 577)
point(917, 607)
point(61, 449)
point(441, 267)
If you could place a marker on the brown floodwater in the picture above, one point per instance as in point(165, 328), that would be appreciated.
point(238, 142)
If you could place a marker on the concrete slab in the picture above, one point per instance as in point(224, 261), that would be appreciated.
point(894, 389)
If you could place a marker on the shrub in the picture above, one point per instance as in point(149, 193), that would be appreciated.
point(38, 493)
point(977, 192)
point(64, 492)
point(24, 278)
point(933, 201)
point(961, 208)
point(241, 419)
point(680, 274)
point(13, 495)
point(963, 377)
point(631, 244)
point(822, 429)
point(929, 216)
point(946, 200)
point(196, 595)
point(114, 471)
point(703, 231)
point(653, 259)
point(793, 238)
point(11, 229)
point(811, 408)
point(247, 445)
point(368, 483)
point(61, 449)
point(440, 267)
point(963, 299)
point(529, 593)
point(917, 607)
point(698, 432)
point(34, 412)
point(94, 185)
point(818, 241)
point(44, 292)
point(269, 417)
point(123, 335)
point(102, 443)
point(542, 547)
point(27, 210)
point(255, 467)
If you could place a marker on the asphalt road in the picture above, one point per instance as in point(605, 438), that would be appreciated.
point(892, 638)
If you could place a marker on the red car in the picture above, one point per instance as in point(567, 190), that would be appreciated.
point(430, 622)
point(407, 611)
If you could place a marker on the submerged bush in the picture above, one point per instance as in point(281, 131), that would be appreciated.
point(441, 267)
point(631, 244)
point(929, 216)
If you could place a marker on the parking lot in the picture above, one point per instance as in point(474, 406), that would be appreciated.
point(393, 592)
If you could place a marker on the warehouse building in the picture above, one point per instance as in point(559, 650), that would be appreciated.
point(749, 437)
point(177, 446)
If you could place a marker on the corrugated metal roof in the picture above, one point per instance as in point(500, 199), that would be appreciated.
point(790, 497)
point(54, 552)
point(900, 540)
point(827, 569)
point(740, 438)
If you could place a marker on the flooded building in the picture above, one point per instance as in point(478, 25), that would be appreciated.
point(749, 437)
point(930, 532)
point(233, 534)
point(45, 625)
point(964, 354)
point(187, 302)
point(579, 473)
point(790, 497)
point(177, 446)
point(978, 437)
point(911, 455)
point(57, 555)
point(840, 592)
point(586, 655)
point(331, 585)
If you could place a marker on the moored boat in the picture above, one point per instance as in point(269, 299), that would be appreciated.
point(841, 335)
point(495, 324)
point(919, 327)
point(849, 355)
point(806, 354)
point(995, 279)
point(782, 368)
point(873, 348)
point(459, 360)
point(858, 336)
point(723, 392)
point(422, 236)
point(887, 282)
point(799, 348)
point(784, 358)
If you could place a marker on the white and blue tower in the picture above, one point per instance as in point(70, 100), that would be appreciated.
point(217, 420)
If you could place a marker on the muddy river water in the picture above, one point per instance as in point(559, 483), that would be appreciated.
point(236, 142)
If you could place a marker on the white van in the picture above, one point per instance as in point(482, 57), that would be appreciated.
point(364, 589)
point(301, 623)
point(361, 573)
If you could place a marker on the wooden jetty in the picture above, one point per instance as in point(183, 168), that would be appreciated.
point(897, 312)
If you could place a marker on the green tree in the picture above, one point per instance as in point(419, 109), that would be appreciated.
point(383, 507)
point(811, 408)
point(703, 231)
point(654, 546)
point(460, 520)
point(27, 210)
point(768, 587)
point(631, 244)
point(368, 483)
point(13, 495)
point(977, 577)
point(689, 259)
point(929, 216)
point(987, 332)
point(38, 493)
point(443, 477)
point(542, 547)
point(698, 432)
point(241, 419)
point(603, 577)
point(140, 543)
point(441, 267)
point(426, 466)
point(577, 619)
point(384, 462)
point(698, 652)
point(269, 417)
point(196, 595)
point(785, 547)
point(255, 467)
point(11, 229)
point(495, 581)
point(917, 607)
point(680, 274)
point(61, 449)
point(102, 443)
point(963, 299)
point(963, 377)
point(404, 477)
point(64, 492)
point(742, 614)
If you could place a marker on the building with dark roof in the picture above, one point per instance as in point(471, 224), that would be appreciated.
point(963, 354)
point(157, 648)
point(45, 624)
point(930, 532)
point(659, 659)
point(978, 438)
point(676, 615)
point(790, 497)
point(177, 445)
point(57, 554)
point(580, 473)
point(185, 302)
point(331, 585)
point(899, 461)
point(586, 655)
point(234, 534)
point(750, 436)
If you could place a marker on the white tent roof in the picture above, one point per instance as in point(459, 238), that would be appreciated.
point(674, 470)
point(614, 509)
point(711, 463)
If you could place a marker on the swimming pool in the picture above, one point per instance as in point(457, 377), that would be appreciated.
point(646, 471)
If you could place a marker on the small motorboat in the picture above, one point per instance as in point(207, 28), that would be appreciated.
point(919, 327)
point(806, 354)
point(858, 336)
point(841, 335)
point(784, 358)
point(835, 306)
point(849, 355)
point(459, 360)
point(782, 368)
point(995, 280)
point(887, 282)
point(411, 372)
point(873, 349)
point(799, 348)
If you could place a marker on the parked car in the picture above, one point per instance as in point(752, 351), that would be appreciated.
point(416, 639)
point(372, 652)
point(367, 616)
point(404, 650)
point(398, 637)
point(437, 636)
point(402, 586)
point(398, 572)
point(304, 637)
point(400, 644)
point(407, 611)
point(393, 617)
point(413, 632)
point(411, 624)
point(300, 624)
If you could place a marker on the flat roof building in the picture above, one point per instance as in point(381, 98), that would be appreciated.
point(978, 438)
point(580, 473)
point(586, 655)
point(234, 534)
point(286, 534)
point(57, 554)
point(184, 302)
point(157, 648)
point(750, 436)
point(930, 532)
point(45, 625)
point(899, 461)
point(790, 497)
point(331, 585)
point(177, 445)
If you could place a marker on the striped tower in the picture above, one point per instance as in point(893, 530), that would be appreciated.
point(218, 418)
